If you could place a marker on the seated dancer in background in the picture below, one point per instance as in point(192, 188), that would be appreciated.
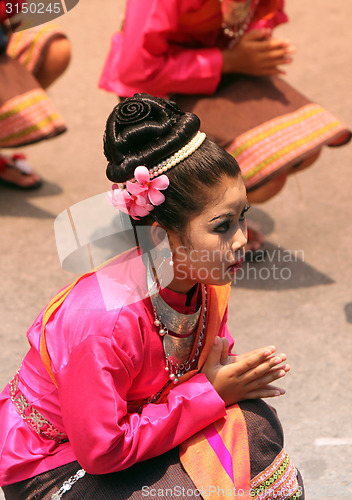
point(129, 386)
point(30, 61)
point(220, 60)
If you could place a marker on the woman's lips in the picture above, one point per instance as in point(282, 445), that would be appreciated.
point(236, 266)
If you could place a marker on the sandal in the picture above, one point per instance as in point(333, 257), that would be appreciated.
point(16, 173)
point(341, 140)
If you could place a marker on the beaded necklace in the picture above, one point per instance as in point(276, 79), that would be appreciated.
point(178, 332)
point(237, 17)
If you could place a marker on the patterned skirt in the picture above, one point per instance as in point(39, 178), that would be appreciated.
point(273, 475)
point(265, 124)
point(27, 115)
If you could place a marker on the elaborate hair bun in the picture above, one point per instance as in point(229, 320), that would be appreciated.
point(144, 130)
point(130, 112)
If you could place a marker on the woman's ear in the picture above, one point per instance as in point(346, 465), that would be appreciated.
point(158, 234)
point(160, 241)
point(165, 239)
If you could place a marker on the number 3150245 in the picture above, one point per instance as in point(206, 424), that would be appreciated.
point(34, 8)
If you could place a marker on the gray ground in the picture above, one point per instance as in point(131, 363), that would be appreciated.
point(303, 305)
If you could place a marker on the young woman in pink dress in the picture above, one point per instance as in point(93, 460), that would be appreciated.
point(130, 386)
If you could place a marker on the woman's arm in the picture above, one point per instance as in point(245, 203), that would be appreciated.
point(149, 61)
point(93, 390)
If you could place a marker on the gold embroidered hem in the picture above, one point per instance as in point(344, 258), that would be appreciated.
point(33, 417)
point(279, 480)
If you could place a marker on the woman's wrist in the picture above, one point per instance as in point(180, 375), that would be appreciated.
point(225, 62)
point(228, 65)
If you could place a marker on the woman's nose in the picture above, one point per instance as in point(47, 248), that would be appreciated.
point(240, 239)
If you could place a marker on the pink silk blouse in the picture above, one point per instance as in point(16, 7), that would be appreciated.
point(106, 356)
point(170, 46)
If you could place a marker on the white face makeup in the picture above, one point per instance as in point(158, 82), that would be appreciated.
point(213, 246)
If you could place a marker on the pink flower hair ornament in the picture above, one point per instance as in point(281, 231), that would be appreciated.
point(140, 195)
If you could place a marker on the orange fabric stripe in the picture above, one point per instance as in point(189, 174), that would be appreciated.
point(205, 19)
point(266, 10)
point(208, 455)
point(52, 307)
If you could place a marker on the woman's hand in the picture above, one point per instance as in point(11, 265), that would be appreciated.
point(247, 376)
point(258, 54)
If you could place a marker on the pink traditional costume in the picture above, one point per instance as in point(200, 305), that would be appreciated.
point(172, 48)
point(110, 401)
point(92, 397)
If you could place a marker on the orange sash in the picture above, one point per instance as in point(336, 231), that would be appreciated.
point(205, 19)
point(266, 10)
point(51, 308)
point(217, 458)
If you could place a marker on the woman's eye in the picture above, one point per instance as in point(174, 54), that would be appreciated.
point(223, 228)
point(242, 216)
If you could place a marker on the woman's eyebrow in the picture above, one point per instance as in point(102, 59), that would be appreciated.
point(222, 216)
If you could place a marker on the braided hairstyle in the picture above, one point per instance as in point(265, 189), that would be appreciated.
point(145, 130)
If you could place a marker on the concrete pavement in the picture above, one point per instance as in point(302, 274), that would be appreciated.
point(298, 299)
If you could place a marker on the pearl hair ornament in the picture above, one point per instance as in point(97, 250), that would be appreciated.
point(179, 156)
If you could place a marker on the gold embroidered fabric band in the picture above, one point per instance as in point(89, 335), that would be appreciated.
point(33, 417)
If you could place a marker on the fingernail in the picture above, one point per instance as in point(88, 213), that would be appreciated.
point(216, 340)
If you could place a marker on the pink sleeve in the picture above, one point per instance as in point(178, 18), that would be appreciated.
point(93, 389)
point(146, 59)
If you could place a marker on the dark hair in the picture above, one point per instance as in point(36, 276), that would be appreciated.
point(144, 130)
